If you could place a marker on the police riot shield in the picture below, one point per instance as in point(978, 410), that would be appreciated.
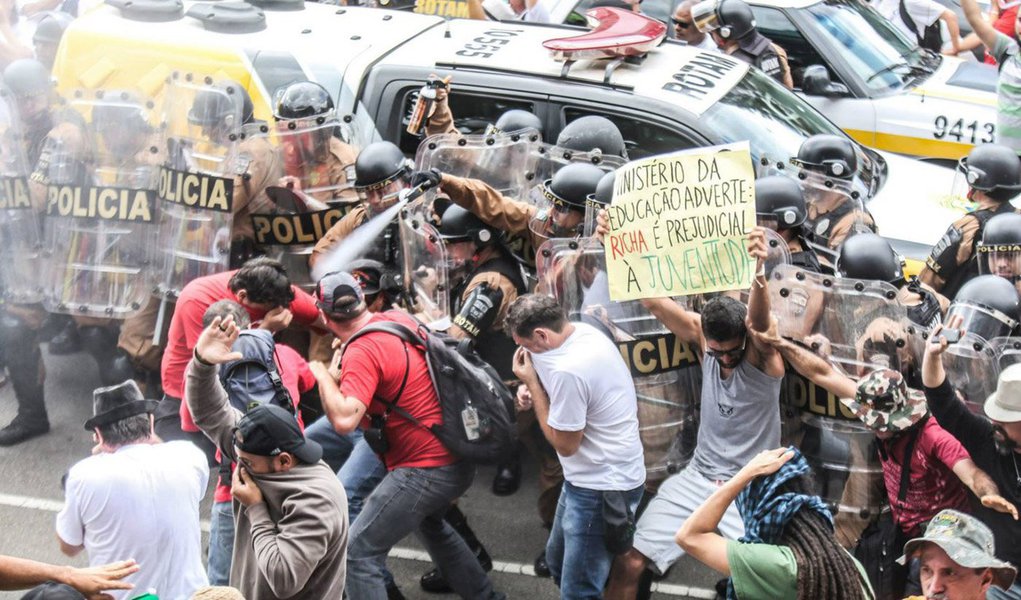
point(1007, 351)
point(101, 206)
point(547, 159)
point(835, 211)
point(501, 160)
point(289, 230)
point(196, 184)
point(425, 271)
point(972, 366)
point(20, 222)
point(666, 372)
point(318, 162)
point(858, 324)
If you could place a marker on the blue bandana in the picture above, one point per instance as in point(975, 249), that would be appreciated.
point(765, 511)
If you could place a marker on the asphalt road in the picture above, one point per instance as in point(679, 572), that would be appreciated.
point(30, 496)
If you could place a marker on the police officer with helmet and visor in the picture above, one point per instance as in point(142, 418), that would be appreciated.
point(999, 252)
point(731, 24)
point(780, 206)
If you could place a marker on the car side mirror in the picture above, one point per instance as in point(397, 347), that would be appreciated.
point(816, 82)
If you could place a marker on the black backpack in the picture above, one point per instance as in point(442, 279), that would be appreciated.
point(254, 379)
point(932, 36)
point(478, 409)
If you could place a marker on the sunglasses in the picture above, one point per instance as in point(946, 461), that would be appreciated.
point(729, 353)
point(680, 24)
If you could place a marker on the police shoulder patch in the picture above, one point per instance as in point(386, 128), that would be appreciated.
point(478, 313)
point(944, 254)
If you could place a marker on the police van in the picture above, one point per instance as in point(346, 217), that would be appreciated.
point(861, 72)
point(375, 61)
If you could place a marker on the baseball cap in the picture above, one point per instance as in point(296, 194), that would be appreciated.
point(1004, 404)
point(340, 296)
point(369, 273)
point(884, 402)
point(967, 541)
point(268, 430)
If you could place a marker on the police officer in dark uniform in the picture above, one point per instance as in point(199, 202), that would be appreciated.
point(591, 134)
point(47, 36)
point(731, 24)
point(994, 177)
point(999, 252)
point(780, 206)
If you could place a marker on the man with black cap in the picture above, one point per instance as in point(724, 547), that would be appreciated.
point(133, 491)
point(290, 510)
point(423, 477)
point(958, 559)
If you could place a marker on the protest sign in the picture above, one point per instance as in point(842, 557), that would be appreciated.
point(678, 224)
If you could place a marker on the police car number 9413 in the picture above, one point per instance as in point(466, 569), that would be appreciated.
point(970, 133)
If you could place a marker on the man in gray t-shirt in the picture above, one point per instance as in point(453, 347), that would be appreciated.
point(740, 417)
point(1005, 50)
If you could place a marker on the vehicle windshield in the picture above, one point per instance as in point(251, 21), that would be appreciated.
point(776, 122)
point(872, 46)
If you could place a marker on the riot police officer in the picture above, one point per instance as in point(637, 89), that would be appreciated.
point(593, 134)
point(989, 307)
point(47, 36)
point(999, 252)
point(316, 161)
point(826, 168)
point(780, 206)
point(731, 24)
point(226, 114)
point(993, 175)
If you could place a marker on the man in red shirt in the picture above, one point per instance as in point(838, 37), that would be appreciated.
point(262, 287)
point(423, 477)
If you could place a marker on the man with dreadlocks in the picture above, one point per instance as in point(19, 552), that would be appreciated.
point(788, 550)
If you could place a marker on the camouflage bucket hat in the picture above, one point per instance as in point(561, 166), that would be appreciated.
point(967, 541)
point(885, 404)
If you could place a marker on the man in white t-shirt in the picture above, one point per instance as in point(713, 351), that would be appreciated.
point(136, 497)
point(924, 13)
point(584, 400)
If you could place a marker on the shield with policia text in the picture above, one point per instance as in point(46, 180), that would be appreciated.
point(666, 372)
point(20, 219)
point(101, 209)
point(196, 184)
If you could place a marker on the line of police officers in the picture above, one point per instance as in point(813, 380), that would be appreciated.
point(111, 203)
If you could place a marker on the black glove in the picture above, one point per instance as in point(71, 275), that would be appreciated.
point(426, 179)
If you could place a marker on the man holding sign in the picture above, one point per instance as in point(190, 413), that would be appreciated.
point(740, 375)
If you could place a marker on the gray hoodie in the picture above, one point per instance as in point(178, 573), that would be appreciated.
point(293, 544)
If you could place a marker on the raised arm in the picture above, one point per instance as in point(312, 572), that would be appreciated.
point(207, 400)
point(763, 356)
point(684, 323)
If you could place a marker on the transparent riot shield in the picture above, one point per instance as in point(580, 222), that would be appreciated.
point(101, 206)
point(972, 367)
point(424, 270)
point(290, 230)
point(196, 185)
point(317, 160)
point(666, 372)
point(1007, 351)
point(20, 222)
point(500, 160)
point(857, 324)
point(835, 211)
point(546, 159)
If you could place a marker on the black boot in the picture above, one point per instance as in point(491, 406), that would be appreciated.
point(433, 581)
point(66, 341)
point(508, 477)
point(21, 353)
point(540, 566)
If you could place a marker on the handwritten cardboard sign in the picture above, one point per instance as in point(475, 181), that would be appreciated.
point(678, 224)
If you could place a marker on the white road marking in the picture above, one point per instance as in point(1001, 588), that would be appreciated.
point(512, 568)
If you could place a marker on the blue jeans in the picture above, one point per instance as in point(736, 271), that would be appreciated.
point(995, 593)
point(576, 554)
point(414, 500)
point(360, 475)
point(221, 543)
point(336, 447)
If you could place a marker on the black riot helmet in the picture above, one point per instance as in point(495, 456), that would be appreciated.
point(868, 256)
point(28, 77)
point(303, 100)
point(829, 155)
point(51, 27)
point(219, 104)
point(779, 201)
point(999, 252)
point(570, 187)
point(604, 191)
point(593, 133)
point(735, 18)
point(516, 120)
point(459, 225)
point(378, 165)
point(988, 305)
point(993, 169)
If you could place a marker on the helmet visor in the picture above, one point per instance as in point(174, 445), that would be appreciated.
point(1003, 260)
point(705, 16)
point(378, 199)
point(982, 321)
point(554, 217)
